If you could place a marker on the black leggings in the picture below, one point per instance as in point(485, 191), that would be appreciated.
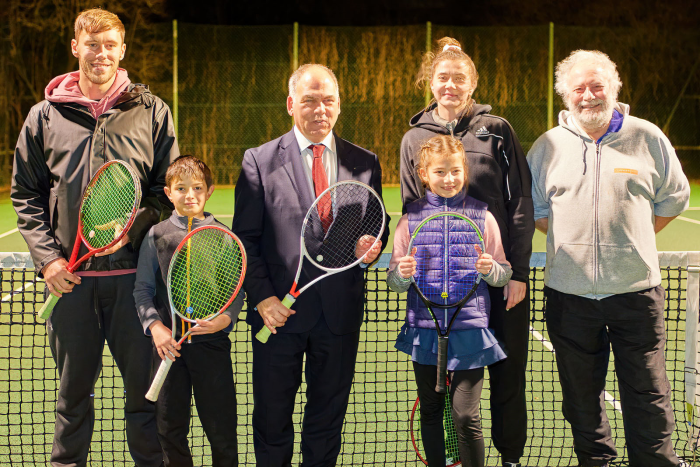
point(465, 391)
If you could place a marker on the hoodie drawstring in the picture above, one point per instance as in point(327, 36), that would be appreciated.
point(584, 151)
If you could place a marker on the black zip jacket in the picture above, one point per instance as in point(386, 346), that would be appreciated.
point(60, 148)
point(498, 175)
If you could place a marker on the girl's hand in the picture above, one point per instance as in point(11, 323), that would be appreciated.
point(407, 265)
point(485, 261)
point(163, 340)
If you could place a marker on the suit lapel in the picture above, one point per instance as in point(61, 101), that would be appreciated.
point(345, 159)
point(292, 163)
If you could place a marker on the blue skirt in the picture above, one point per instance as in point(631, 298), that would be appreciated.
point(466, 349)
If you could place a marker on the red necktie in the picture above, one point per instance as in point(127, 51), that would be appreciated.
point(318, 174)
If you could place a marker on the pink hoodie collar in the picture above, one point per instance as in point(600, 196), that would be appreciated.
point(65, 89)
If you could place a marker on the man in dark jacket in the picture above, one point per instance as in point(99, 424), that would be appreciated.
point(278, 183)
point(89, 117)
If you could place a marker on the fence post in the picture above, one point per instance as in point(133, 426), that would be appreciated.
point(295, 48)
point(175, 82)
point(550, 80)
point(428, 41)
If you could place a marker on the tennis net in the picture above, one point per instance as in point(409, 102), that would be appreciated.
point(376, 430)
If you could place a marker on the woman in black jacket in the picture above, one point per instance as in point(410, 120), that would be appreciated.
point(498, 176)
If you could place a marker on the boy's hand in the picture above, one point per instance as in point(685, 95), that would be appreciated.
point(163, 340)
point(211, 326)
point(407, 265)
point(485, 261)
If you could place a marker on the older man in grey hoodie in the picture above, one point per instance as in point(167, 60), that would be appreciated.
point(603, 184)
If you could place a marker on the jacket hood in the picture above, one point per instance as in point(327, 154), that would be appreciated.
point(566, 119)
point(424, 119)
point(64, 89)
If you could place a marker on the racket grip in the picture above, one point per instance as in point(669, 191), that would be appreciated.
point(45, 311)
point(440, 386)
point(163, 369)
point(264, 334)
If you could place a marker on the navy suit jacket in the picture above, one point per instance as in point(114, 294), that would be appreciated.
point(272, 198)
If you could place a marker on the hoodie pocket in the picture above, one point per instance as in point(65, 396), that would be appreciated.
point(621, 269)
point(571, 269)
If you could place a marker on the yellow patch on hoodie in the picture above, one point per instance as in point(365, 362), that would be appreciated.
point(620, 170)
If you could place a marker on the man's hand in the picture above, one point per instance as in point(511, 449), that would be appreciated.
point(211, 326)
point(514, 292)
point(364, 245)
point(124, 240)
point(58, 279)
point(163, 340)
point(407, 265)
point(273, 313)
point(485, 261)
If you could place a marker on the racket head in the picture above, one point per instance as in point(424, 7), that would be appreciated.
point(451, 441)
point(357, 212)
point(209, 263)
point(461, 235)
point(109, 205)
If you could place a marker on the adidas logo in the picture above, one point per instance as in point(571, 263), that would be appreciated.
point(482, 131)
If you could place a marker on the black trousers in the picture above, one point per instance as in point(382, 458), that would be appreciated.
point(277, 369)
point(205, 368)
point(465, 392)
point(507, 377)
point(99, 309)
point(582, 331)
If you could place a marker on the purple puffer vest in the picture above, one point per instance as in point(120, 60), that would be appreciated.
point(475, 313)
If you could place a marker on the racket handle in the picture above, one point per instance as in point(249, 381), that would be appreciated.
point(163, 369)
point(264, 334)
point(441, 365)
point(45, 311)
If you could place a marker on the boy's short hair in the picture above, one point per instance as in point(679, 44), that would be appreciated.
point(96, 20)
point(190, 166)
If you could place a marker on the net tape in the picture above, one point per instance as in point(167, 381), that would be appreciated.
point(376, 430)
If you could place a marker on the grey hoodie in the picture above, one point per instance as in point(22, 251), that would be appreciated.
point(601, 200)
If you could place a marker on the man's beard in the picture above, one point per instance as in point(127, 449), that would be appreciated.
point(593, 120)
point(95, 78)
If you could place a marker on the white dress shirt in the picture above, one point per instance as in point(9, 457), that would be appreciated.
point(329, 158)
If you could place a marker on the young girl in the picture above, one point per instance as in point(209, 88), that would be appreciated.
point(472, 346)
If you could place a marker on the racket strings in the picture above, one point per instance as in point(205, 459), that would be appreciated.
point(108, 204)
point(216, 264)
point(356, 212)
point(446, 258)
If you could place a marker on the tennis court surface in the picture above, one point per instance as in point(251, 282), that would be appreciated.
point(376, 430)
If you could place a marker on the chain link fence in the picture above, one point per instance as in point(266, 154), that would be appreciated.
point(231, 82)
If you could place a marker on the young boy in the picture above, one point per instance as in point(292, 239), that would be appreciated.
point(202, 364)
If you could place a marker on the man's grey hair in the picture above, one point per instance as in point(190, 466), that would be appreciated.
point(296, 76)
point(599, 58)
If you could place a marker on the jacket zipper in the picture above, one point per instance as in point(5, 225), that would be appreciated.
point(595, 218)
point(444, 260)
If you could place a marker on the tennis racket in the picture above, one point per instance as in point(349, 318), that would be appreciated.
point(204, 277)
point(451, 441)
point(341, 216)
point(106, 214)
point(459, 236)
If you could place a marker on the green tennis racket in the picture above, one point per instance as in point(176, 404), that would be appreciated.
point(451, 441)
point(107, 211)
point(205, 275)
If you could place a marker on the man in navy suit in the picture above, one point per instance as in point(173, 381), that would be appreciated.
point(278, 183)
